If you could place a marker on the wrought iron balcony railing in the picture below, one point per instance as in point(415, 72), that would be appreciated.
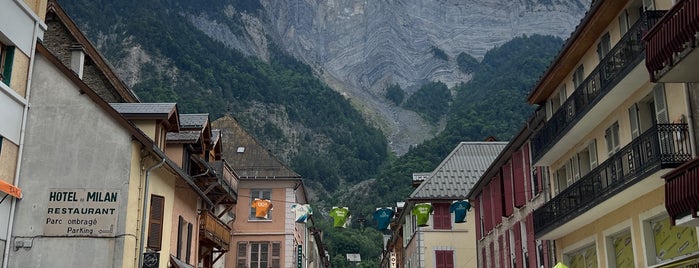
point(662, 146)
point(671, 36)
point(628, 52)
point(213, 231)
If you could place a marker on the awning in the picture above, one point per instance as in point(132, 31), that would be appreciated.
point(177, 263)
point(10, 189)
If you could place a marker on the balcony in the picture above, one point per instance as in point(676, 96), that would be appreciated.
point(662, 146)
point(218, 181)
point(682, 194)
point(618, 69)
point(213, 233)
point(670, 53)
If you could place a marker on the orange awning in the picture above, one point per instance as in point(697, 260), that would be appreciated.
point(10, 189)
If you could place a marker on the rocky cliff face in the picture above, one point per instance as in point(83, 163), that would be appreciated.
point(361, 47)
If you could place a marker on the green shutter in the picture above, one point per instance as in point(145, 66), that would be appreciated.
point(7, 69)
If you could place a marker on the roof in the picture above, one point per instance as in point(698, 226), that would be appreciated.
point(459, 171)
point(183, 136)
point(189, 121)
point(144, 109)
point(247, 156)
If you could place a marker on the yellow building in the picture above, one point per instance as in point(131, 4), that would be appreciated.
point(609, 136)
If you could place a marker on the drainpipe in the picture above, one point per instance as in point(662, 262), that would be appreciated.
point(143, 209)
point(32, 58)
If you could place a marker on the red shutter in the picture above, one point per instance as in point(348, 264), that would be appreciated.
point(444, 258)
point(441, 216)
point(527, 171)
point(517, 170)
point(506, 176)
point(155, 222)
point(484, 261)
point(497, 202)
point(508, 248)
point(487, 209)
point(479, 222)
point(517, 232)
point(531, 241)
point(545, 262)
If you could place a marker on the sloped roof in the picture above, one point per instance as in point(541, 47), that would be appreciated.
point(247, 156)
point(183, 136)
point(144, 109)
point(459, 171)
point(190, 121)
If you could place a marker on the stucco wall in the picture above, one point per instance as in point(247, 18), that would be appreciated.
point(70, 143)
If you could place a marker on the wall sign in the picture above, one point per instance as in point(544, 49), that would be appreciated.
point(81, 212)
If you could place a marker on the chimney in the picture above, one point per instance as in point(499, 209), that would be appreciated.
point(77, 59)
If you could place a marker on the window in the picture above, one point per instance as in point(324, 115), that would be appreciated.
point(578, 76)
point(586, 257)
point(562, 177)
point(184, 239)
point(261, 194)
point(611, 135)
point(6, 58)
point(669, 242)
point(441, 216)
point(155, 222)
point(621, 250)
point(649, 4)
point(263, 254)
point(603, 46)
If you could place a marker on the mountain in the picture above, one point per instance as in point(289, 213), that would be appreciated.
point(358, 48)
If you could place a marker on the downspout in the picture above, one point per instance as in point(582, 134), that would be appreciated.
point(32, 58)
point(143, 211)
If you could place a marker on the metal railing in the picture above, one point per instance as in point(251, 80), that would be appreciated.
point(613, 67)
point(662, 146)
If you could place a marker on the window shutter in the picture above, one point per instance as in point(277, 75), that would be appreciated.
point(479, 221)
point(624, 22)
point(531, 242)
point(575, 164)
point(9, 54)
point(633, 118)
point(592, 149)
point(180, 239)
point(503, 256)
point(276, 253)
point(441, 216)
point(155, 223)
point(517, 233)
point(189, 242)
point(568, 174)
point(660, 104)
point(518, 179)
point(242, 254)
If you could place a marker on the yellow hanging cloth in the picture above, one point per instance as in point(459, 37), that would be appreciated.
point(560, 265)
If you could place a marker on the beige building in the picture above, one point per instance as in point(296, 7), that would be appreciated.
point(443, 242)
point(611, 132)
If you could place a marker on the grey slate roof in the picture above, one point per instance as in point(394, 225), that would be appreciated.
point(183, 136)
point(188, 121)
point(144, 108)
point(459, 171)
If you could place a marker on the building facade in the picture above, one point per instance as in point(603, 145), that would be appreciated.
point(610, 133)
point(444, 241)
point(21, 26)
